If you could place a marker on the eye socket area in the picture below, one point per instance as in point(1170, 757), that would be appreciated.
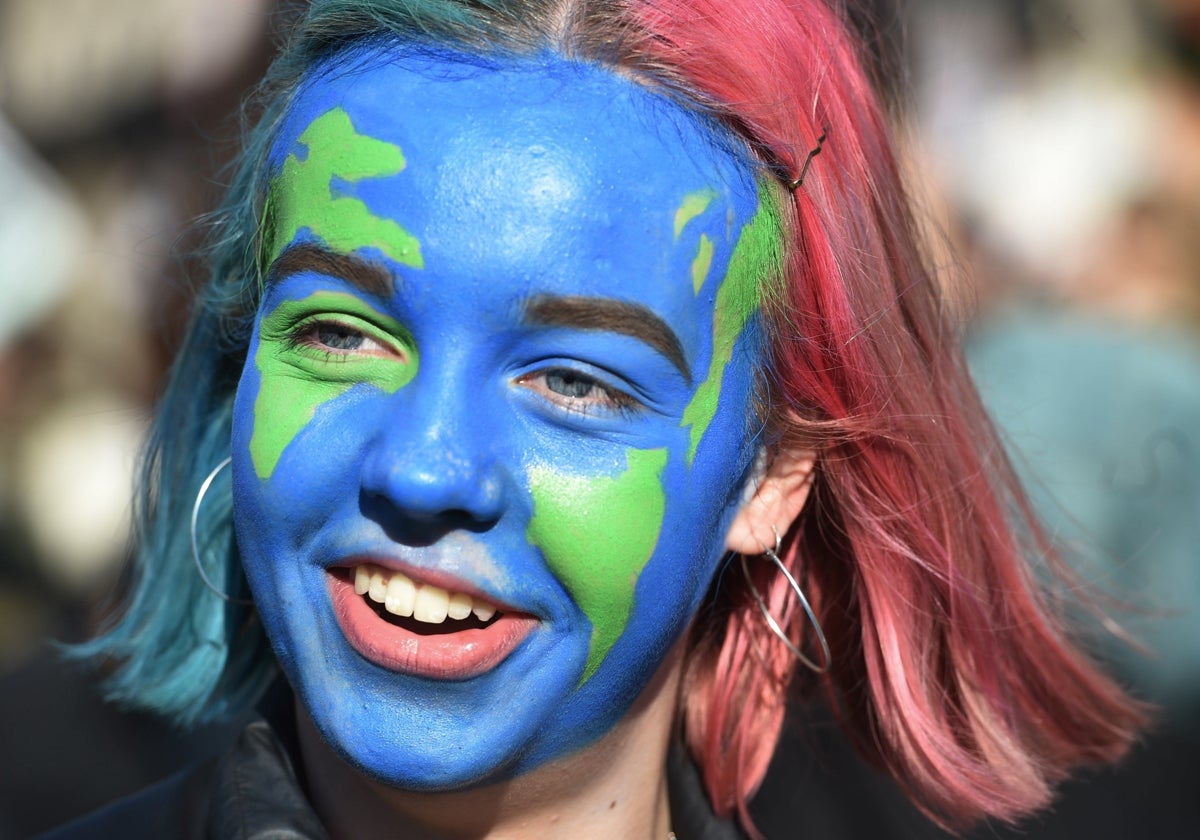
point(577, 392)
point(339, 338)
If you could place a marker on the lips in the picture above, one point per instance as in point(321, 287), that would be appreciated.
point(454, 635)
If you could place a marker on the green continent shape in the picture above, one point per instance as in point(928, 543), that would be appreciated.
point(597, 534)
point(692, 206)
point(756, 260)
point(294, 381)
point(302, 195)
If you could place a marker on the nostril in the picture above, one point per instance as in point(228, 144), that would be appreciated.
point(419, 528)
point(419, 506)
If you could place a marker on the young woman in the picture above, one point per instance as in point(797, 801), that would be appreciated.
point(583, 382)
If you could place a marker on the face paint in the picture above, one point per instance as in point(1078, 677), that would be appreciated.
point(568, 452)
point(298, 372)
point(315, 192)
point(755, 260)
point(702, 263)
point(598, 534)
point(693, 205)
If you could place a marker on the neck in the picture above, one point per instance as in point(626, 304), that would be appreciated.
point(616, 787)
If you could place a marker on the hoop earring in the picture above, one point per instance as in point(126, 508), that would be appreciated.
point(773, 556)
point(195, 548)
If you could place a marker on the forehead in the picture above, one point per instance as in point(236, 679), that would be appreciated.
point(531, 168)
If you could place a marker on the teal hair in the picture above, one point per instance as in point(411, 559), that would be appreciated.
point(175, 647)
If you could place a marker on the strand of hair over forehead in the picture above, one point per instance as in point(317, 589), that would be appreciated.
point(485, 25)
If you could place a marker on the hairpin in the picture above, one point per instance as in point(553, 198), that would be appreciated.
point(816, 150)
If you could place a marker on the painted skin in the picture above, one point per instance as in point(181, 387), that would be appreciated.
point(468, 401)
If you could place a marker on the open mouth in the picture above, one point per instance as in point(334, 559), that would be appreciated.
point(421, 628)
point(418, 628)
point(420, 607)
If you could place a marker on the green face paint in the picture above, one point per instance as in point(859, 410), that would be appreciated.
point(305, 194)
point(756, 258)
point(297, 377)
point(597, 534)
point(692, 206)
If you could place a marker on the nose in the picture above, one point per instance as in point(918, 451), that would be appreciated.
point(434, 462)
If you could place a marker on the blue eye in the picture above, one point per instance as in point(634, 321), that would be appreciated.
point(570, 384)
point(336, 339)
point(339, 337)
point(577, 392)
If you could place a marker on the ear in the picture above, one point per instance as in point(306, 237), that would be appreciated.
point(776, 500)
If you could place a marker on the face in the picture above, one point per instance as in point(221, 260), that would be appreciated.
point(495, 414)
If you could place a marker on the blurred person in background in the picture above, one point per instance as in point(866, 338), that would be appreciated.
point(1066, 139)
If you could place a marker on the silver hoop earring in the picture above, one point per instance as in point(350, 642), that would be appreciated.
point(195, 548)
point(773, 556)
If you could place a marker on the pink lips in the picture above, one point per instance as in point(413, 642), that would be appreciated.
point(447, 656)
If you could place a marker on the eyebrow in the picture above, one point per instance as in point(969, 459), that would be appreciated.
point(605, 314)
point(365, 276)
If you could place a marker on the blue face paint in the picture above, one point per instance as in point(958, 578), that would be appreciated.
point(499, 366)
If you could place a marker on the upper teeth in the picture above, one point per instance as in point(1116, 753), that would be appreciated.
point(401, 596)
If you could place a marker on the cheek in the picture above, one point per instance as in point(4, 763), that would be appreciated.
point(597, 534)
point(273, 498)
point(283, 405)
point(257, 441)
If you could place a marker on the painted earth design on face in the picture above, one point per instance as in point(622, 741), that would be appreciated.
point(314, 192)
point(582, 523)
point(605, 521)
point(296, 379)
point(694, 204)
point(597, 534)
point(755, 262)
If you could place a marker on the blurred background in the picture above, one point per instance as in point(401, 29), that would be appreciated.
point(1054, 144)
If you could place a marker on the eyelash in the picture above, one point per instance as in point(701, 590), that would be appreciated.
point(306, 336)
point(612, 399)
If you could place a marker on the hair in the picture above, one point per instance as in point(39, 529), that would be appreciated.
point(951, 668)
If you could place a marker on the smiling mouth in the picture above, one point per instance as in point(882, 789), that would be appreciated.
point(395, 596)
point(413, 627)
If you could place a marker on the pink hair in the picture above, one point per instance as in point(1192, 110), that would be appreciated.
point(951, 667)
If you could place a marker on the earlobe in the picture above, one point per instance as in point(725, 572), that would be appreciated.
point(778, 495)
